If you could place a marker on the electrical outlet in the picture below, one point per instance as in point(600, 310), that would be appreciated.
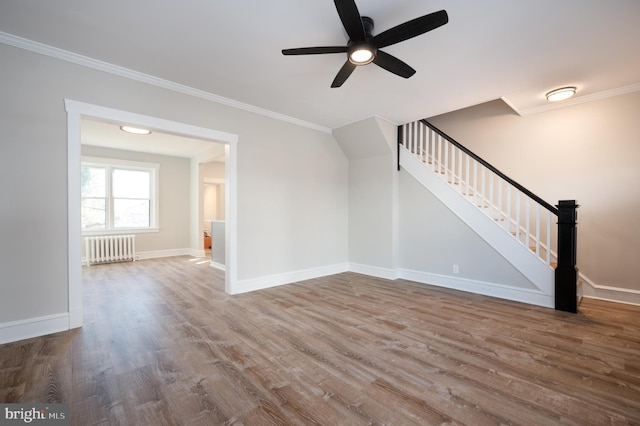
point(456, 269)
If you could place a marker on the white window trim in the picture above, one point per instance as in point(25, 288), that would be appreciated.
point(154, 168)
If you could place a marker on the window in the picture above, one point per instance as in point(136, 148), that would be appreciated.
point(118, 195)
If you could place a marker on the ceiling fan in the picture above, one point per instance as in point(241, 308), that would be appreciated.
point(363, 47)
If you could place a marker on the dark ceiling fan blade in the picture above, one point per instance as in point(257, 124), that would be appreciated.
point(351, 19)
point(315, 50)
point(410, 29)
point(343, 74)
point(393, 64)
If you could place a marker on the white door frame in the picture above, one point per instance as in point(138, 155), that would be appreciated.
point(75, 111)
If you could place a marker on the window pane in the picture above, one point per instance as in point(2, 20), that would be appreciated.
point(130, 213)
point(130, 184)
point(94, 213)
point(93, 182)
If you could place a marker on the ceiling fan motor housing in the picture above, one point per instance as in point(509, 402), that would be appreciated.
point(367, 23)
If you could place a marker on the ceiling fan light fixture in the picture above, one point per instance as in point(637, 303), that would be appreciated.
point(135, 130)
point(362, 54)
point(561, 94)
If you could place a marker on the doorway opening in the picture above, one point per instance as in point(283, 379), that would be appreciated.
point(76, 112)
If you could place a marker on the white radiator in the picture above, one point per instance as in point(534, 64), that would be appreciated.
point(110, 248)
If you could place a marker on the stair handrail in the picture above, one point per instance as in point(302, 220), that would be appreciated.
point(479, 159)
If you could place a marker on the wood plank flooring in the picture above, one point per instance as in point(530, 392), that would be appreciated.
point(163, 344)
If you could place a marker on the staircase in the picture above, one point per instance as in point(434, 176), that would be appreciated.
point(513, 220)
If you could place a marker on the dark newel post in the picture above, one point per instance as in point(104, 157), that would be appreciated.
point(399, 143)
point(566, 285)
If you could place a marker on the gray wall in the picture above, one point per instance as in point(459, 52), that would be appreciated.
point(292, 180)
point(370, 211)
point(587, 152)
point(372, 174)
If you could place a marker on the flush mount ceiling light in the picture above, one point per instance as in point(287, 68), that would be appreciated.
point(561, 94)
point(135, 130)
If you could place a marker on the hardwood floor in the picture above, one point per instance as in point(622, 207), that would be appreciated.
point(163, 344)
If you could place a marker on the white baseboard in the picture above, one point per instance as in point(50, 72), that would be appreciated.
point(164, 253)
point(374, 271)
point(525, 295)
point(33, 327)
point(531, 296)
point(76, 317)
point(217, 265)
point(244, 286)
point(154, 254)
point(197, 252)
point(592, 290)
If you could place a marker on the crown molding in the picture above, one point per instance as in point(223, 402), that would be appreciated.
point(575, 101)
point(85, 61)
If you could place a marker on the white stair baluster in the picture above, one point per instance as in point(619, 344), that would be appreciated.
point(423, 143)
point(436, 151)
point(446, 159)
point(499, 198)
point(413, 138)
point(454, 164)
point(467, 180)
point(429, 146)
point(416, 136)
point(475, 181)
point(439, 154)
point(528, 224)
point(484, 186)
point(434, 148)
point(406, 136)
point(507, 222)
point(538, 229)
point(459, 174)
point(518, 201)
point(491, 203)
point(548, 237)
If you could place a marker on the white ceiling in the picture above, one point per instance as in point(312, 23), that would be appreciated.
point(109, 135)
point(490, 49)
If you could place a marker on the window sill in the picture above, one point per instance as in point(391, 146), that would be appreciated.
point(120, 231)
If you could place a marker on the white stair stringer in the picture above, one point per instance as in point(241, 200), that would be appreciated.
point(522, 258)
